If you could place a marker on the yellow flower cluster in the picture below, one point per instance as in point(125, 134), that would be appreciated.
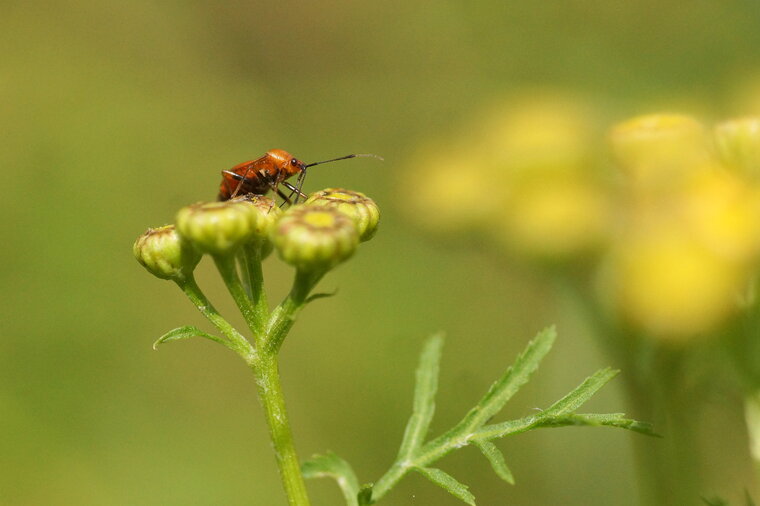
point(523, 173)
point(666, 209)
point(690, 234)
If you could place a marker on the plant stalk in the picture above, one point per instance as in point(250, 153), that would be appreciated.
point(273, 329)
point(226, 266)
point(267, 373)
point(269, 332)
point(653, 379)
point(193, 292)
point(284, 315)
point(251, 257)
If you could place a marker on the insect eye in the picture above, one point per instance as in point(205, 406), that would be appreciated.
point(293, 161)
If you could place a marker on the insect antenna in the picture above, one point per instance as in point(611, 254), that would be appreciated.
point(302, 175)
point(364, 155)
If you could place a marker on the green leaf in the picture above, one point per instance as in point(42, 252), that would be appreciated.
point(332, 466)
point(426, 385)
point(496, 459)
point(499, 430)
point(447, 482)
point(581, 393)
point(515, 377)
point(598, 420)
point(187, 332)
point(527, 423)
point(474, 427)
point(321, 295)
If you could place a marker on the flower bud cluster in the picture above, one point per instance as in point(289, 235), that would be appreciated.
point(316, 236)
point(666, 212)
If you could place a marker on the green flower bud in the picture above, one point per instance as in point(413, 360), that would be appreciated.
point(264, 216)
point(355, 205)
point(165, 254)
point(738, 143)
point(314, 238)
point(219, 228)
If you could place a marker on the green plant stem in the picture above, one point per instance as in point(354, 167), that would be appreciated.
point(620, 347)
point(668, 467)
point(254, 275)
point(226, 266)
point(284, 315)
point(191, 289)
point(267, 373)
point(269, 332)
point(243, 266)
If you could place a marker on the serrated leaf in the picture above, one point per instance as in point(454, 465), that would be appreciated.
point(473, 429)
point(527, 423)
point(448, 483)
point(494, 456)
point(581, 393)
point(514, 378)
point(186, 332)
point(597, 420)
point(426, 385)
point(332, 466)
point(512, 427)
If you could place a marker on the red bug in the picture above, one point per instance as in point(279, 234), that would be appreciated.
point(268, 173)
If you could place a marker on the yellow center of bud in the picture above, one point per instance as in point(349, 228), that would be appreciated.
point(320, 219)
point(342, 196)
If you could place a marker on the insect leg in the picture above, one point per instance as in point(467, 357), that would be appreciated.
point(294, 191)
point(274, 186)
point(234, 175)
point(299, 183)
point(243, 178)
point(285, 198)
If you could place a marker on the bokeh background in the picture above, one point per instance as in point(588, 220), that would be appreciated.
point(115, 114)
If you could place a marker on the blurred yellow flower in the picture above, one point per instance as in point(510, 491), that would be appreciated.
point(449, 192)
point(681, 234)
point(501, 161)
point(543, 133)
point(669, 285)
point(554, 220)
point(723, 214)
point(660, 151)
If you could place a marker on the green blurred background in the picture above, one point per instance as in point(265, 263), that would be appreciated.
point(116, 114)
